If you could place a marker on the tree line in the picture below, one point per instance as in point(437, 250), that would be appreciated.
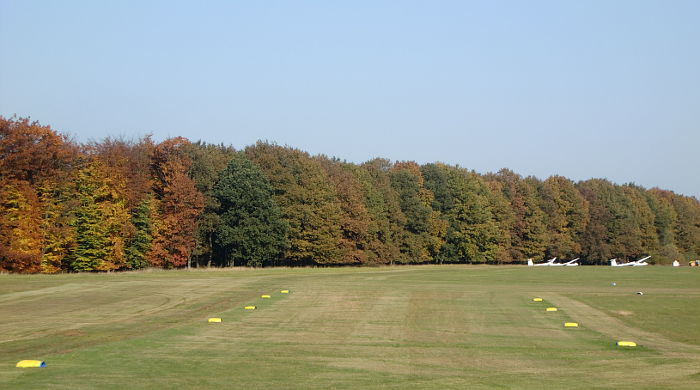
point(122, 205)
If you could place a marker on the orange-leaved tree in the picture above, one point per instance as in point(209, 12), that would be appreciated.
point(178, 202)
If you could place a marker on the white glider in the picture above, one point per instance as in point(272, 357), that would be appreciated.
point(638, 263)
point(572, 263)
point(548, 263)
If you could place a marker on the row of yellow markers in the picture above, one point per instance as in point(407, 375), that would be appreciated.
point(249, 307)
point(575, 325)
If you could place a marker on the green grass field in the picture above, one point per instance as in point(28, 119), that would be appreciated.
point(441, 327)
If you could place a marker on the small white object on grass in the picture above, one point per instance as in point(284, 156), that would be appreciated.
point(640, 293)
point(614, 284)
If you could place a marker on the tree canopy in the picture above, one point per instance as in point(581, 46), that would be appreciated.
point(119, 205)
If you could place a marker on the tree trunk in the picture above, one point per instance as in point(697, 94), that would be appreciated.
point(211, 251)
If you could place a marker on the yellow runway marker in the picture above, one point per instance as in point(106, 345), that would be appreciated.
point(214, 319)
point(30, 363)
point(551, 309)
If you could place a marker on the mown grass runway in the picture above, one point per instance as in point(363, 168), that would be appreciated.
point(398, 327)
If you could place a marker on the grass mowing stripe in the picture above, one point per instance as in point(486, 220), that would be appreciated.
point(394, 327)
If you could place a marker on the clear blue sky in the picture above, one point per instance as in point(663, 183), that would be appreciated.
point(578, 88)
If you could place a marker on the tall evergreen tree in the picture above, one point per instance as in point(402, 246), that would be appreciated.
point(101, 221)
point(92, 244)
point(139, 243)
point(58, 204)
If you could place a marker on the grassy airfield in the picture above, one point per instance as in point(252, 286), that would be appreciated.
point(427, 327)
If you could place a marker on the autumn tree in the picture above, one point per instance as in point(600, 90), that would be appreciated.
point(20, 224)
point(178, 203)
point(615, 229)
point(505, 219)
point(386, 220)
point(120, 204)
point(665, 220)
point(566, 216)
point(354, 219)
point(647, 239)
point(32, 157)
point(526, 229)
point(31, 152)
point(463, 200)
point(423, 230)
point(128, 163)
point(687, 226)
point(677, 224)
point(308, 201)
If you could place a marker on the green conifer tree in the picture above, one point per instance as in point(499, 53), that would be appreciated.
point(91, 239)
point(140, 242)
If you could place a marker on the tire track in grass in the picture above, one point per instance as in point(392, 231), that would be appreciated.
point(612, 327)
